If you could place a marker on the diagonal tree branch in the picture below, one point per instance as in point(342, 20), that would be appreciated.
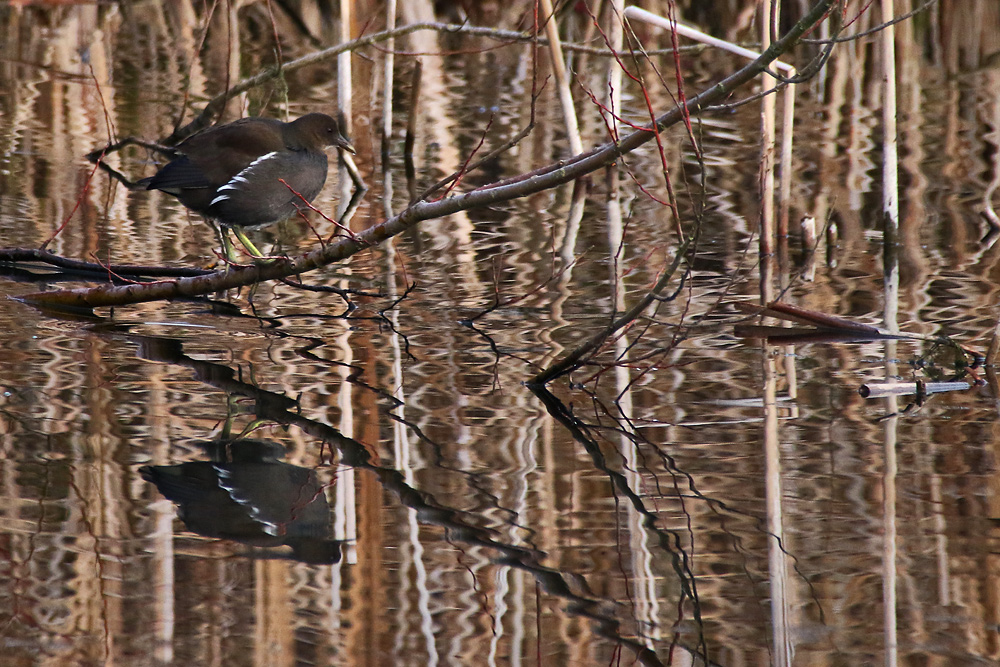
point(525, 185)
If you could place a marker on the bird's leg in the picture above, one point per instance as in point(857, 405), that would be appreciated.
point(229, 252)
point(258, 256)
point(229, 255)
point(247, 243)
point(251, 427)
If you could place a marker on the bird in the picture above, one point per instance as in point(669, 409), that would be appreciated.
point(251, 172)
point(247, 494)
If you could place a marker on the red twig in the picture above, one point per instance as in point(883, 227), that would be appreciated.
point(654, 128)
point(90, 177)
point(308, 204)
point(462, 171)
point(113, 275)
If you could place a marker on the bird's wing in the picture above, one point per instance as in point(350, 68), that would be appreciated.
point(179, 174)
point(223, 152)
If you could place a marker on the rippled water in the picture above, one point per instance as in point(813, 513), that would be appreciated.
point(396, 494)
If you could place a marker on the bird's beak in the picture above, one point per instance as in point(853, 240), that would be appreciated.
point(345, 145)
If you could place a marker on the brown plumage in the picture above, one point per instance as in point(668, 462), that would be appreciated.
point(230, 173)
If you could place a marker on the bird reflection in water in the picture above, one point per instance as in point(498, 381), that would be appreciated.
point(246, 494)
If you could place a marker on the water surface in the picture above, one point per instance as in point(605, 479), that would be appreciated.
point(396, 494)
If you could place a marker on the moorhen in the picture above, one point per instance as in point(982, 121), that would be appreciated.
point(233, 173)
point(247, 494)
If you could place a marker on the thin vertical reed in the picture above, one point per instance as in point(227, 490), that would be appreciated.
point(890, 221)
point(890, 168)
point(411, 129)
point(616, 38)
point(345, 505)
point(345, 103)
point(890, 157)
point(767, 148)
point(785, 163)
point(345, 92)
point(562, 80)
point(777, 560)
point(387, 79)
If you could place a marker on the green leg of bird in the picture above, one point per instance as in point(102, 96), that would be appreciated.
point(228, 252)
point(258, 256)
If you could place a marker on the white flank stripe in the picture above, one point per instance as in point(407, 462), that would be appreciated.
point(234, 182)
point(257, 161)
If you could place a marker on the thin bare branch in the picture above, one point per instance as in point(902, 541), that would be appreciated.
point(553, 176)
